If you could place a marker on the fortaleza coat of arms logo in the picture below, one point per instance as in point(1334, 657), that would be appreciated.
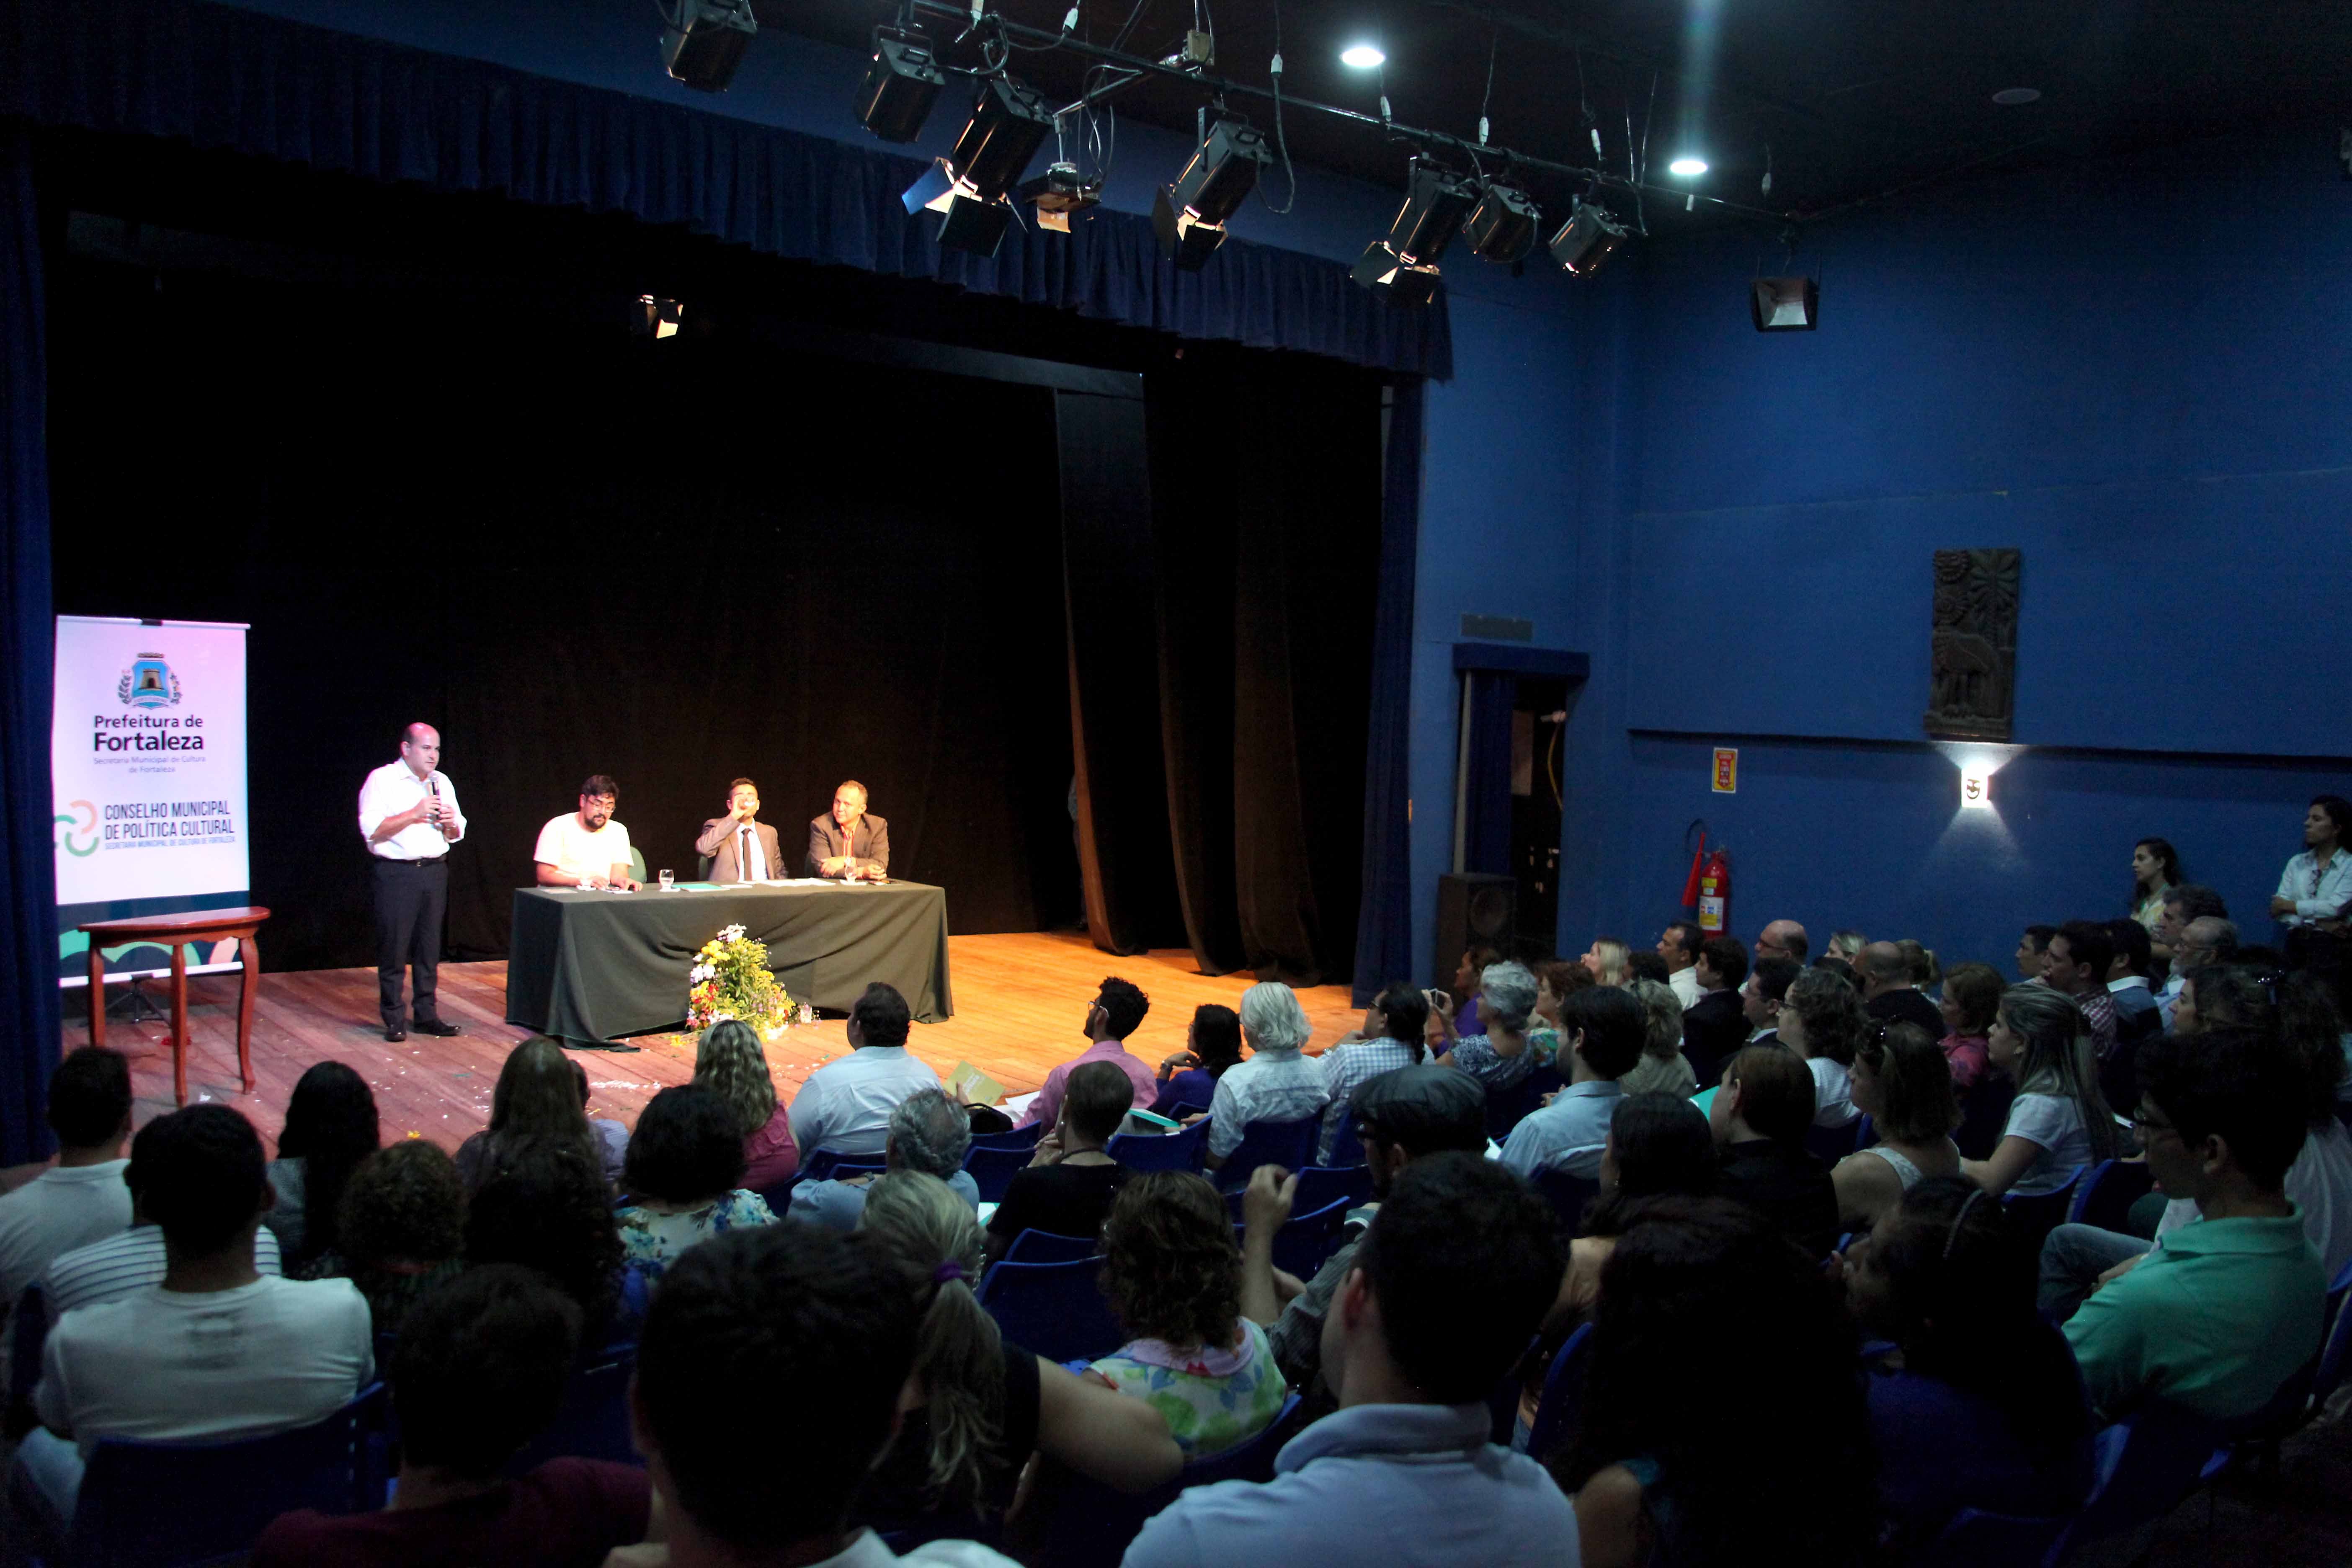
point(149, 683)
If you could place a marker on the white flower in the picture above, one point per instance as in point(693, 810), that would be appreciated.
point(730, 933)
point(700, 972)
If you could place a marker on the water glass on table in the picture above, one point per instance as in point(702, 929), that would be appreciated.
point(667, 878)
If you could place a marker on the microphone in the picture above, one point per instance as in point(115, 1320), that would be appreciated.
point(433, 782)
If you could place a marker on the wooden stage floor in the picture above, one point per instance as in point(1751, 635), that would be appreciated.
point(1021, 1002)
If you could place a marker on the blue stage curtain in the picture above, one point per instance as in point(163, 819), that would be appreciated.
point(28, 1019)
point(233, 79)
point(1384, 945)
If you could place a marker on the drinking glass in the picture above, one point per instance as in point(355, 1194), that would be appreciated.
point(666, 880)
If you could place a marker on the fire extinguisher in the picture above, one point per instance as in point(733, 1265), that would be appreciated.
point(1714, 892)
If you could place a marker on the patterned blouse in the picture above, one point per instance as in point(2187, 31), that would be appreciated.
point(651, 1242)
point(1475, 1055)
point(1212, 1399)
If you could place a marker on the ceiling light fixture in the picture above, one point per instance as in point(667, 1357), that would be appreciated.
point(1588, 238)
point(1008, 124)
point(1189, 216)
point(1403, 267)
point(1502, 226)
point(1363, 57)
point(1687, 167)
point(902, 81)
point(2010, 97)
point(703, 41)
point(1786, 304)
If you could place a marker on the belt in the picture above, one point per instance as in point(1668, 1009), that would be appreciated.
point(427, 860)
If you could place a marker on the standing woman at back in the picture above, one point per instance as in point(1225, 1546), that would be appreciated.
point(2155, 871)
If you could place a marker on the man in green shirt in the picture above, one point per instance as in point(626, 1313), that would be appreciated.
point(2218, 1314)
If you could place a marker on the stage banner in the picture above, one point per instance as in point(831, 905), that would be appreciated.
point(147, 765)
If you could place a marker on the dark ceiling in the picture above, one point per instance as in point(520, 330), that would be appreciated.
point(1853, 99)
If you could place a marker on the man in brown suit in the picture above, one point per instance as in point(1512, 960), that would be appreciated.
point(848, 843)
point(740, 849)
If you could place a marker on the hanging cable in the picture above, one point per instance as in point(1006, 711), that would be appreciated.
point(1281, 142)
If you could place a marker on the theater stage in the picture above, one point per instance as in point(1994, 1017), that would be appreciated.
point(1020, 1000)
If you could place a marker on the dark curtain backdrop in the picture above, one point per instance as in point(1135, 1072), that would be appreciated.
point(574, 552)
point(1384, 924)
point(1268, 502)
point(27, 929)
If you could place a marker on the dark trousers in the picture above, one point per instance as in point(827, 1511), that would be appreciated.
point(410, 897)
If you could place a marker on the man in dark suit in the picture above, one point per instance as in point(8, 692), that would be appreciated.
point(1715, 1027)
point(1888, 993)
point(847, 842)
point(741, 848)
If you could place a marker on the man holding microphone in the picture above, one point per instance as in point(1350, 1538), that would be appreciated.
point(409, 818)
point(741, 848)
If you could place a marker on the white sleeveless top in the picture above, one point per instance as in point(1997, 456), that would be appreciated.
point(1904, 1170)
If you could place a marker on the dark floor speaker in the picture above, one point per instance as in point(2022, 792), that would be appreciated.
point(1474, 907)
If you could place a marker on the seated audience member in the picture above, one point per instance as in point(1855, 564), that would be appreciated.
point(131, 1261)
point(1716, 1025)
point(2033, 953)
point(1761, 999)
point(1173, 1278)
point(1901, 1083)
point(1889, 991)
point(1213, 1043)
point(1117, 1012)
point(2204, 941)
point(2058, 1123)
point(844, 1106)
point(929, 1132)
point(1925, 971)
point(683, 1176)
point(479, 1371)
point(1609, 961)
point(401, 1231)
point(1845, 947)
point(2223, 1117)
point(80, 1199)
point(1464, 1017)
point(1971, 998)
point(1646, 965)
point(1823, 1021)
point(1556, 980)
point(729, 1062)
point(1830, 964)
point(2077, 965)
point(1783, 939)
point(1653, 1483)
point(2128, 969)
point(1402, 1470)
point(1498, 1058)
point(1602, 1031)
point(1979, 1405)
point(1067, 1186)
point(986, 1404)
point(1759, 1117)
point(1401, 1117)
point(537, 1100)
point(1390, 1038)
point(219, 1349)
point(1664, 1068)
point(779, 1317)
point(1677, 948)
point(1276, 1084)
point(330, 1127)
point(547, 1207)
point(611, 1134)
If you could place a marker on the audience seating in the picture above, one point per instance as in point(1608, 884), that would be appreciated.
point(1289, 1144)
point(1865, 1134)
point(1306, 1239)
point(2147, 1465)
point(1052, 1309)
point(992, 1166)
point(1975, 1539)
point(1984, 1115)
point(778, 1195)
point(2104, 1197)
point(1091, 1525)
point(1509, 1108)
point(1180, 1150)
point(831, 1165)
point(592, 1423)
point(32, 1320)
point(1831, 1144)
point(1012, 1138)
point(1322, 1185)
point(2034, 1217)
point(154, 1505)
point(1346, 1149)
point(1045, 1247)
point(1570, 1194)
point(1563, 1387)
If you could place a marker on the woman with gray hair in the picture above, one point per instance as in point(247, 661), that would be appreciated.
point(1663, 1070)
point(1500, 1059)
point(1274, 1083)
point(930, 1135)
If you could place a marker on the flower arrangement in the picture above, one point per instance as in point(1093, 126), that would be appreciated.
point(731, 980)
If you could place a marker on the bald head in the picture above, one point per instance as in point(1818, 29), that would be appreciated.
point(1881, 968)
point(2208, 939)
point(420, 748)
point(1783, 939)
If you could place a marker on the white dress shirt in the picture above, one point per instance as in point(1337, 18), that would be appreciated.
point(576, 852)
point(1684, 983)
point(2318, 892)
point(394, 788)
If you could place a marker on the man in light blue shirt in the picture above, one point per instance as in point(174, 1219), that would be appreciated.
point(1601, 1030)
point(929, 1132)
point(1402, 1474)
point(845, 1104)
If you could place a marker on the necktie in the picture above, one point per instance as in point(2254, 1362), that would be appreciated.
point(743, 854)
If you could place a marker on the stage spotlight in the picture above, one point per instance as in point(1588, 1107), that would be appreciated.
point(1362, 56)
point(1786, 304)
point(1502, 226)
point(969, 185)
point(1404, 266)
point(1687, 167)
point(655, 317)
point(1189, 216)
point(902, 82)
point(1057, 192)
point(703, 41)
point(1588, 238)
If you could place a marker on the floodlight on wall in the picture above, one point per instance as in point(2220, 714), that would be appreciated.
point(968, 186)
point(902, 81)
point(1502, 226)
point(1189, 216)
point(1587, 239)
point(1403, 267)
point(703, 40)
point(1786, 304)
point(1059, 192)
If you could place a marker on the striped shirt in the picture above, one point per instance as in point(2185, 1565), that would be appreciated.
point(110, 1269)
point(1349, 1064)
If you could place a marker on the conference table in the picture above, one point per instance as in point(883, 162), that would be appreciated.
point(593, 966)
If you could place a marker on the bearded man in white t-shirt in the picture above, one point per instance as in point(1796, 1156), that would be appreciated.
point(586, 848)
